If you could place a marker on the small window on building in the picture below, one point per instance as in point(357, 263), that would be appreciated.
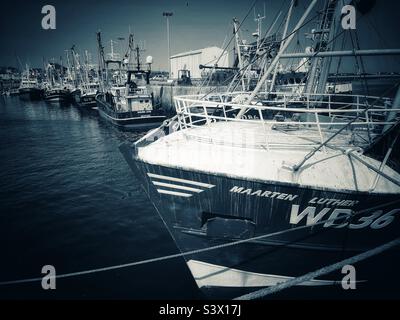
point(141, 101)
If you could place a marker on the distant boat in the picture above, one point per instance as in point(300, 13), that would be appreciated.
point(58, 87)
point(129, 106)
point(11, 92)
point(126, 101)
point(29, 88)
point(85, 96)
point(57, 94)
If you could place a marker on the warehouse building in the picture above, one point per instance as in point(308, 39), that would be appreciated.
point(191, 61)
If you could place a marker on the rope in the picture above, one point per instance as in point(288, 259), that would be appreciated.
point(257, 58)
point(233, 36)
point(320, 272)
point(193, 252)
point(334, 39)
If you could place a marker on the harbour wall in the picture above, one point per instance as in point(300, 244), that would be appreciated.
point(164, 93)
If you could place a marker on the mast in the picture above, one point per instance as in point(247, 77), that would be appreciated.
point(324, 41)
point(112, 49)
point(61, 72)
point(283, 40)
point(69, 76)
point(129, 51)
point(101, 59)
point(343, 53)
point(275, 61)
point(138, 57)
point(265, 59)
point(258, 19)
point(75, 66)
point(239, 53)
point(87, 67)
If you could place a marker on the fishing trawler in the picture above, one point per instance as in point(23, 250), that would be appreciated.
point(86, 84)
point(129, 107)
point(128, 104)
point(86, 95)
point(29, 88)
point(294, 184)
point(57, 93)
point(56, 90)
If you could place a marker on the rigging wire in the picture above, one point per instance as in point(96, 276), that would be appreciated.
point(260, 56)
point(240, 25)
point(208, 78)
point(197, 251)
point(359, 64)
point(233, 36)
point(383, 41)
point(325, 143)
point(320, 272)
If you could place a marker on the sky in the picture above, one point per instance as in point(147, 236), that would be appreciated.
point(195, 24)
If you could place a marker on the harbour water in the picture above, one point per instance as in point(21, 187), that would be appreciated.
point(68, 199)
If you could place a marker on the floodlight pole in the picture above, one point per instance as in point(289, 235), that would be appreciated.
point(168, 14)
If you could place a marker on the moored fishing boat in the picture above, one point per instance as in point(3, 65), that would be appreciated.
point(286, 173)
point(57, 89)
point(57, 94)
point(128, 104)
point(29, 88)
point(85, 97)
point(86, 84)
point(232, 179)
point(129, 107)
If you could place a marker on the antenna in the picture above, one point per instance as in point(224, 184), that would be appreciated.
point(258, 20)
point(19, 61)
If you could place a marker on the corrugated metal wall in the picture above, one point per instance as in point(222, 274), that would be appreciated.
point(191, 61)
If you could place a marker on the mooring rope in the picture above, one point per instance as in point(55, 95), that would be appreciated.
point(318, 273)
point(197, 251)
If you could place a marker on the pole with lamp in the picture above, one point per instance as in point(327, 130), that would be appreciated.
point(168, 14)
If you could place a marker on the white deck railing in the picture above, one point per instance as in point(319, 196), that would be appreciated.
point(358, 117)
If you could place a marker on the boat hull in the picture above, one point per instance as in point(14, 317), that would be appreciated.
point(202, 210)
point(30, 93)
point(59, 95)
point(87, 101)
point(136, 121)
